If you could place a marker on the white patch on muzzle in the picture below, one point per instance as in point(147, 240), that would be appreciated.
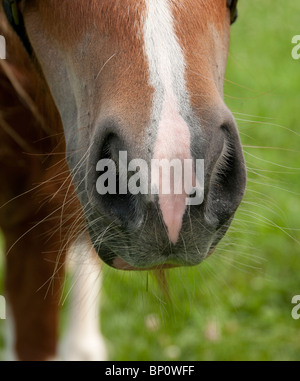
point(170, 105)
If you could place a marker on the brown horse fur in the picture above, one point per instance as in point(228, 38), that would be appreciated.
point(39, 212)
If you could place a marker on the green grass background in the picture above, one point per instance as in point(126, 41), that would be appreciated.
point(237, 304)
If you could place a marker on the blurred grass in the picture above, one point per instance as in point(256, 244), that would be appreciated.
point(237, 304)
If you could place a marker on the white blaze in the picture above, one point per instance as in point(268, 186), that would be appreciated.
point(167, 76)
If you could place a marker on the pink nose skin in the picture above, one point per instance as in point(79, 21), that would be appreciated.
point(173, 207)
point(172, 142)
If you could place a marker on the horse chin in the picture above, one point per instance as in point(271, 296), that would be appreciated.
point(121, 264)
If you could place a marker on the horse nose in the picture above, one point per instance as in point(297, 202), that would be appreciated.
point(200, 178)
point(126, 188)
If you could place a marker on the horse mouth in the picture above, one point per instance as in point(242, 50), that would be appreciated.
point(121, 264)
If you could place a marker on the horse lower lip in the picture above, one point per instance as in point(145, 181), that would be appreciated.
point(120, 264)
point(211, 252)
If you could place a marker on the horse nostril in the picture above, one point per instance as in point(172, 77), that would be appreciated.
point(113, 198)
point(228, 180)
